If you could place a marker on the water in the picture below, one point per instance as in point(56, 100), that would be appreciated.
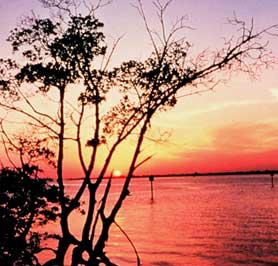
point(197, 221)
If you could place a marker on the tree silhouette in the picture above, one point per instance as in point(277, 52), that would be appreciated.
point(26, 201)
point(67, 54)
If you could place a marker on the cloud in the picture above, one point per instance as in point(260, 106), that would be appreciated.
point(226, 105)
point(208, 161)
point(274, 92)
point(245, 137)
point(234, 147)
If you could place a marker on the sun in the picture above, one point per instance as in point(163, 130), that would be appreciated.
point(117, 173)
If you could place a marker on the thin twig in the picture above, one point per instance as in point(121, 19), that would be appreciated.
point(131, 243)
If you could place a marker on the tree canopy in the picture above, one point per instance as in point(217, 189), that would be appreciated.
point(26, 203)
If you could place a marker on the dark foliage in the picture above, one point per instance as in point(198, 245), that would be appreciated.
point(26, 203)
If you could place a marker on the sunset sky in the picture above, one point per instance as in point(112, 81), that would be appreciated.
point(234, 127)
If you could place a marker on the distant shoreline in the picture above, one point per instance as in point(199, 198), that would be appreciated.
point(194, 174)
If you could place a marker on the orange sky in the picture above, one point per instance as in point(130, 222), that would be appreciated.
point(234, 127)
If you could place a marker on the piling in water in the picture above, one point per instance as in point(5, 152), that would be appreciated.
point(151, 178)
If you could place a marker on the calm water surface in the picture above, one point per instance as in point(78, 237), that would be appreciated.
point(197, 221)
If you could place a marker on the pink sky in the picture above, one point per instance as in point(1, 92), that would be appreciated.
point(234, 127)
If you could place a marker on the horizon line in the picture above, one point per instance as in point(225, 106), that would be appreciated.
point(194, 174)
